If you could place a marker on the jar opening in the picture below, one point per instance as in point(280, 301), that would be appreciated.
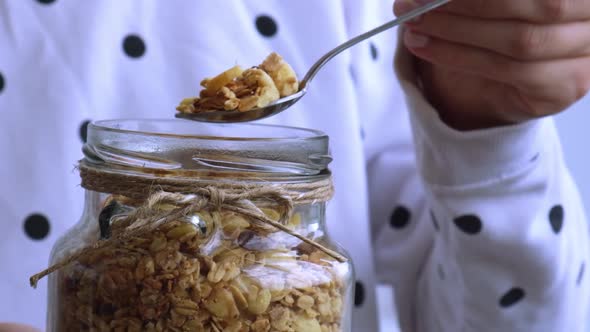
point(191, 148)
point(208, 131)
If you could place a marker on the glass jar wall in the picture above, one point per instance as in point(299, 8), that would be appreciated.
point(201, 227)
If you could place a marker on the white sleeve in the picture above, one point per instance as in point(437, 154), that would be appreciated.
point(510, 238)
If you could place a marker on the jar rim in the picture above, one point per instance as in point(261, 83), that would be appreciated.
point(114, 125)
point(180, 146)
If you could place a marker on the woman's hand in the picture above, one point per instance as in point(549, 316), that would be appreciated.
point(486, 63)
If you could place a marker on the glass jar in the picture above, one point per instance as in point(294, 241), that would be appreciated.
point(179, 232)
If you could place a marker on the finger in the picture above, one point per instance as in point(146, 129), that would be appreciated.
point(537, 11)
point(516, 39)
point(541, 11)
point(9, 327)
point(561, 81)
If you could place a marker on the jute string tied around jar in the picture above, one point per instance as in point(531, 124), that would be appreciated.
point(190, 196)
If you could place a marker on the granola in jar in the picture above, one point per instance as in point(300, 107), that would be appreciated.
point(208, 272)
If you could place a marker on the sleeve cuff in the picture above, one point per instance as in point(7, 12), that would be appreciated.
point(448, 157)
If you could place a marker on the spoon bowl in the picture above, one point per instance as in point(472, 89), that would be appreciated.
point(221, 116)
point(282, 104)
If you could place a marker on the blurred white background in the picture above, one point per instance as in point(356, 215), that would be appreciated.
point(575, 135)
point(573, 129)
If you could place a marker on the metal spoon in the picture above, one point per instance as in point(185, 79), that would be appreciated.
point(282, 104)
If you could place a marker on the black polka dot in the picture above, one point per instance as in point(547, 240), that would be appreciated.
point(400, 217)
point(353, 75)
point(581, 274)
point(36, 226)
point(470, 224)
point(535, 157)
point(441, 272)
point(374, 52)
point(134, 46)
point(84, 130)
point(46, 2)
point(266, 25)
point(434, 221)
point(511, 297)
point(359, 294)
point(556, 218)
point(1, 82)
point(362, 133)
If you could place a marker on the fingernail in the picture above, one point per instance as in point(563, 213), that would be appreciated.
point(413, 39)
point(405, 6)
point(401, 7)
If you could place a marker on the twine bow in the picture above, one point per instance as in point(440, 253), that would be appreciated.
point(149, 217)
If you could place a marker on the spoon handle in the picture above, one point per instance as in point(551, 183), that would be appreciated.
point(399, 20)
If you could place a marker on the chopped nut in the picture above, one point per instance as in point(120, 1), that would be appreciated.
point(260, 325)
point(305, 302)
point(306, 324)
point(158, 243)
point(239, 297)
point(219, 81)
point(145, 268)
point(271, 213)
point(282, 74)
point(234, 326)
point(244, 90)
point(233, 225)
point(193, 325)
point(258, 299)
point(181, 231)
point(280, 318)
point(222, 304)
